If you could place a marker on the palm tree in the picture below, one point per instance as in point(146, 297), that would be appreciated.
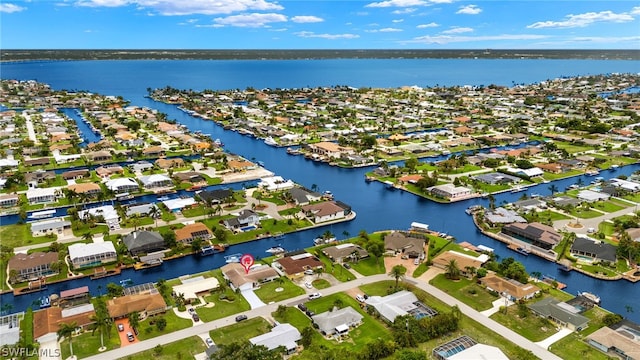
point(87, 236)
point(452, 271)
point(397, 272)
point(155, 214)
point(101, 323)
point(134, 319)
point(66, 332)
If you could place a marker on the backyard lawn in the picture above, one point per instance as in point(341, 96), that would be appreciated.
point(244, 330)
point(369, 266)
point(268, 293)
point(147, 330)
point(183, 349)
point(531, 327)
point(466, 291)
point(224, 304)
point(20, 235)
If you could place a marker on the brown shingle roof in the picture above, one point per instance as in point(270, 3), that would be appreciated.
point(295, 265)
point(144, 302)
point(24, 261)
point(49, 320)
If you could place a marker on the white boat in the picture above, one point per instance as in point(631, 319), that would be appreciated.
point(592, 172)
point(276, 250)
point(592, 297)
point(42, 214)
point(234, 258)
point(517, 188)
point(270, 141)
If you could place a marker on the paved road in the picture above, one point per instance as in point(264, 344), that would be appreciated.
point(594, 222)
point(266, 311)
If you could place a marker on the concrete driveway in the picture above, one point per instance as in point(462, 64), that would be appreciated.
point(252, 298)
point(124, 341)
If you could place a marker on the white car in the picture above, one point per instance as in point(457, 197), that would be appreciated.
point(209, 342)
point(315, 295)
point(360, 298)
point(308, 285)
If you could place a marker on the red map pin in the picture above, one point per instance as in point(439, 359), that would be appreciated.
point(246, 261)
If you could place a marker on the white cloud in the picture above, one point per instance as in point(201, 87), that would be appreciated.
point(408, 10)
point(469, 10)
point(278, 30)
point(635, 11)
point(582, 20)
point(607, 39)
point(384, 30)
point(447, 39)
point(429, 25)
point(397, 3)
point(306, 19)
point(189, 7)
point(397, 21)
point(10, 8)
point(310, 34)
point(458, 30)
point(254, 20)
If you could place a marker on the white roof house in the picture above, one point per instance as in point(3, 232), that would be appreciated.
point(335, 321)
point(281, 335)
point(178, 204)
point(155, 180)
point(273, 183)
point(396, 304)
point(119, 183)
point(534, 171)
point(590, 195)
point(106, 211)
point(479, 351)
point(190, 288)
point(41, 195)
point(84, 254)
point(625, 184)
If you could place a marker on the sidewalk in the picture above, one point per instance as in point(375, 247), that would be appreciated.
point(553, 338)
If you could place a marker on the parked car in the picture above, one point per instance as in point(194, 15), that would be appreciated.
point(120, 327)
point(315, 295)
point(347, 266)
point(416, 261)
point(130, 337)
point(360, 298)
point(302, 307)
point(308, 285)
point(192, 311)
point(195, 317)
point(308, 272)
point(309, 313)
point(209, 342)
point(241, 318)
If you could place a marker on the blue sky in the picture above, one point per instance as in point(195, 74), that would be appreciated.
point(312, 24)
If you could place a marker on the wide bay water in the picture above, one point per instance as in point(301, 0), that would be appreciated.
point(377, 207)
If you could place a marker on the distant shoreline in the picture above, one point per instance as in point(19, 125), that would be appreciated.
point(17, 55)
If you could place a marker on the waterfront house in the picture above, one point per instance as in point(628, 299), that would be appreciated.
point(501, 215)
point(246, 218)
point(282, 335)
point(74, 297)
point(122, 185)
point(88, 189)
point(98, 156)
point(465, 348)
point(195, 178)
point(170, 163)
point(530, 204)
point(141, 166)
point(497, 178)
point(465, 262)
point(295, 264)
point(337, 321)
point(106, 171)
point(146, 303)
point(593, 250)
point(325, 211)
point(32, 266)
point(8, 200)
point(345, 252)
point(329, 149)
point(155, 181)
point(38, 177)
point(47, 322)
point(617, 340)
point(275, 183)
point(153, 151)
point(36, 161)
point(529, 173)
point(537, 234)
point(190, 232)
point(142, 242)
point(237, 165)
point(561, 313)
point(194, 287)
point(509, 288)
point(141, 210)
point(49, 226)
point(592, 196)
point(238, 278)
point(408, 244)
point(75, 174)
point(92, 254)
point(450, 191)
point(215, 196)
point(41, 195)
point(303, 196)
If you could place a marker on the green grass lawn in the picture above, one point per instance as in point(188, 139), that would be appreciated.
point(584, 213)
point(531, 327)
point(269, 227)
point(85, 344)
point(544, 215)
point(608, 206)
point(267, 292)
point(183, 349)
point(244, 330)
point(337, 270)
point(572, 347)
point(465, 290)
point(294, 317)
point(369, 266)
point(320, 284)
point(20, 235)
point(232, 304)
point(174, 323)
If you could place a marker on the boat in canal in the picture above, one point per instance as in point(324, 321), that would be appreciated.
point(270, 141)
point(590, 296)
point(275, 250)
point(233, 258)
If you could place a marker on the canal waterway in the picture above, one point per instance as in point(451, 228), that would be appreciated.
point(377, 207)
